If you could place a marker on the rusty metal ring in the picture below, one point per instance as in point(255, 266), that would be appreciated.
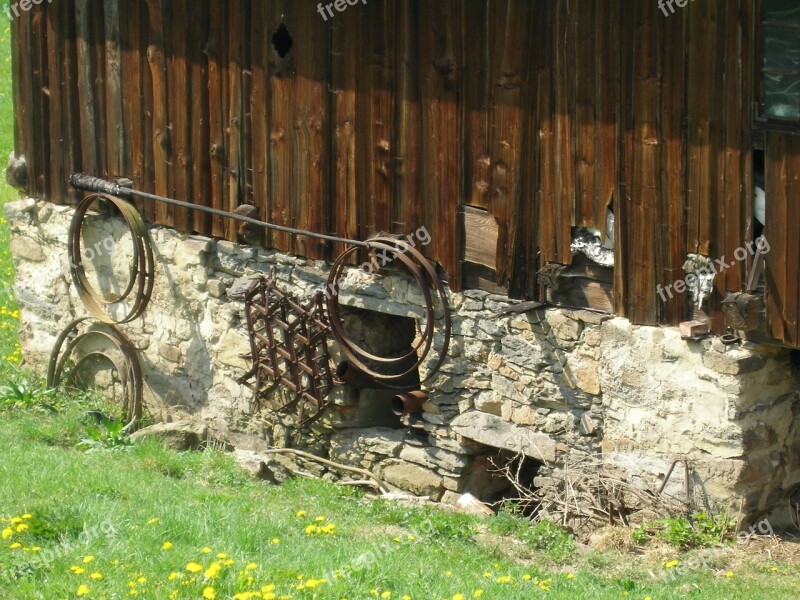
point(142, 268)
point(424, 275)
point(128, 369)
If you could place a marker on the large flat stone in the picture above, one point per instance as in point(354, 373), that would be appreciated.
point(494, 431)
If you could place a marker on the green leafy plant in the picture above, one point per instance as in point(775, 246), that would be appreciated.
point(106, 434)
point(699, 530)
point(549, 538)
point(24, 394)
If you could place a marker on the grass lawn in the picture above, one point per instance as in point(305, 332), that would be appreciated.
point(139, 521)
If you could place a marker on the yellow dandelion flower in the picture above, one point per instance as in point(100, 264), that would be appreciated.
point(398, 540)
point(152, 521)
point(319, 519)
point(385, 595)
point(729, 574)
point(36, 548)
point(251, 566)
point(142, 579)
point(77, 570)
point(275, 541)
point(410, 538)
point(300, 513)
point(15, 545)
point(22, 527)
point(406, 597)
point(773, 569)
point(570, 576)
point(503, 579)
point(222, 555)
point(458, 596)
point(487, 574)
point(173, 576)
point(166, 546)
point(194, 567)
point(213, 571)
point(209, 593)
point(477, 593)
point(448, 573)
point(83, 589)
point(311, 529)
point(671, 563)
point(96, 576)
point(88, 559)
point(206, 550)
point(26, 516)
point(7, 533)
point(526, 577)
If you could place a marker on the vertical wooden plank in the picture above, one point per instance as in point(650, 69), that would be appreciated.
point(162, 141)
point(545, 122)
point(260, 52)
point(180, 111)
point(310, 120)
point(233, 110)
point(792, 170)
point(132, 110)
point(623, 268)
point(777, 232)
point(70, 113)
point(58, 141)
point(86, 99)
point(114, 131)
point(409, 203)
point(645, 193)
point(281, 125)
point(563, 118)
point(24, 135)
point(440, 75)
point(215, 50)
point(97, 54)
point(732, 197)
point(477, 99)
point(510, 98)
point(246, 32)
point(345, 70)
point(702, 47)
point(670, 231)
point(607, 112)
point(147, 115)
point(41, 103)
point(589, 209)
point(198, 20)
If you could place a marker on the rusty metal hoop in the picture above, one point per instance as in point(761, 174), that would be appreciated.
point(142, 268)
point(108, 343)
point(424, 275)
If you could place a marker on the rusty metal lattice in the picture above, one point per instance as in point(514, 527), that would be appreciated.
point(288, 346)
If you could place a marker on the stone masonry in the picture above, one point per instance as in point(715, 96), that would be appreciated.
point(551, 383)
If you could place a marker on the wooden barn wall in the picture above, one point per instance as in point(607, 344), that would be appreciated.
point(398, 114)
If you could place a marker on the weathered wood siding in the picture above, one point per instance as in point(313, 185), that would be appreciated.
point(398, 114)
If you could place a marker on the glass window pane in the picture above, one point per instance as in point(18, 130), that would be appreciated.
point(782, 49)
point(782, 97)
point(782, 11)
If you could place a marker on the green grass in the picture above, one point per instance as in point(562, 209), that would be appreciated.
point(120, 506)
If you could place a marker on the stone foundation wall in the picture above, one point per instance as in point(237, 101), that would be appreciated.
point(554, 384)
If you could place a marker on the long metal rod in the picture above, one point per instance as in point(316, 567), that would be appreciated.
point(89, 183)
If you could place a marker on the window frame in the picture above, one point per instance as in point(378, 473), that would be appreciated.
point(759, 116)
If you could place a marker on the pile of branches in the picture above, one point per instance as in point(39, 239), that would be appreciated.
point(589, 494)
